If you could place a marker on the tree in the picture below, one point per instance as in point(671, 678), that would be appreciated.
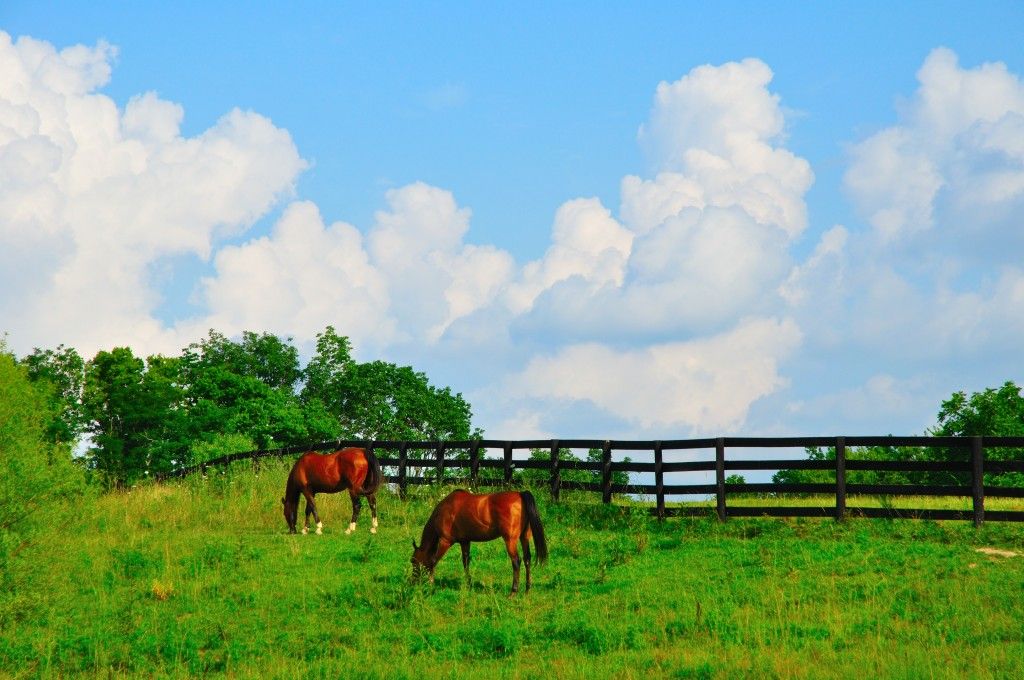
point(245, 387)
point(134, 415)
point(535, 476)
point(35, 472)
point(990, 413)
point(379, 400)
point(60, 373)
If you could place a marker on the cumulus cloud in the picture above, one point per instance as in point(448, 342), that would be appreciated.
point(943, 192)
point(712, 135)
point(702, 244)
point(298, 279)
point(954, 162)
point(704, 385)
point(94, 195)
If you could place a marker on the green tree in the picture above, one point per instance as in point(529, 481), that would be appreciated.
point(60, 373)
point(245, 387)
point(536, 477)
point(379, 400)
point(133, 408)
point(35, 472)
point(990, 413)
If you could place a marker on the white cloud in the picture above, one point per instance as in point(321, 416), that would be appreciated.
point(939, 279)
point(954, 163)
point(301, 278)
point(704, 385)
point(587, 243)
point(711, 135)
point(434, 278)
point(95, 195)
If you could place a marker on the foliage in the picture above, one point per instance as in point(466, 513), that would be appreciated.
point(134, 418)
point(379, 400)
point(245, 387)
point(535, 477)
point(60, 374)
point(145, 417)
point(35, 473)
point(991, 412)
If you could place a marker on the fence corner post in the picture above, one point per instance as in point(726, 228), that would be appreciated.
point(978, 479)
point(720, 477)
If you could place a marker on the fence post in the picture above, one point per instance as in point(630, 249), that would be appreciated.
point(403, 463)
point(659, 480)
point(840, 479)
point(556, 471)
point(440, 462)
point(606, 472)
point(474, 463)
point(508, 463)
point(978, 480)
point(720, 477)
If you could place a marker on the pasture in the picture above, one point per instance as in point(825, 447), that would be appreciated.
point(199, 576)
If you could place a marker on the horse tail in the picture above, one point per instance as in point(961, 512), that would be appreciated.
point(292, 488)
point(532, 518)
point(373, 475)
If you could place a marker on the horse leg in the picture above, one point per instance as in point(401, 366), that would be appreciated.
point(311, 508)
point(442, 548)
point(525, 542)
point(372, 500)
point(357, 504)
point(465, 560)
point(513, 554)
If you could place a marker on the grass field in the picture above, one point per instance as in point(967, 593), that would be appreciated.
point(199, 577)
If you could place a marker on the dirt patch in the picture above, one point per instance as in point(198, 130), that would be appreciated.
point(996, 552)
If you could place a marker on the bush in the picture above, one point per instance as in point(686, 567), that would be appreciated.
point(34, 473)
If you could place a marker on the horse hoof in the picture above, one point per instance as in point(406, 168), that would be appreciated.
point(319, 528)
point(305, 530)
point(319, 531)
point(373, 530)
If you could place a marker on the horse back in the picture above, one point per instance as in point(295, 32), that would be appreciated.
point(328, 473)
point(465, 516)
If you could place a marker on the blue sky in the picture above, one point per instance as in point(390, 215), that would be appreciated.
point(477, 157)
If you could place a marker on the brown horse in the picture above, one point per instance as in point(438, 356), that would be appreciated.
point(354, 469)
point(464, 517)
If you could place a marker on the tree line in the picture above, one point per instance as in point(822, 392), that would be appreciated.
point(138, 417)
point(993, 412)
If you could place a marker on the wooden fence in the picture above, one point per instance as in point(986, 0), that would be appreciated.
point(437, 457)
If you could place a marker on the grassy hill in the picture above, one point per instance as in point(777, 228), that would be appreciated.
point(199, 577)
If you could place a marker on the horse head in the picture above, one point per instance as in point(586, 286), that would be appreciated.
point(420, 560)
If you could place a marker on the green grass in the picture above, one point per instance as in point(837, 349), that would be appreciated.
point(199, 577)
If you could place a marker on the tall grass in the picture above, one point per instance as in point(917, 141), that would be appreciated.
point(199, 577)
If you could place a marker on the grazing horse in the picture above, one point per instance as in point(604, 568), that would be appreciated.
point(463, 517)
point(354, 469)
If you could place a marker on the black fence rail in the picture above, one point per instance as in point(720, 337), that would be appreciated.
point(427, 462)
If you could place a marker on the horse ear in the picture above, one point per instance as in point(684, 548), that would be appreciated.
point(414, 546)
